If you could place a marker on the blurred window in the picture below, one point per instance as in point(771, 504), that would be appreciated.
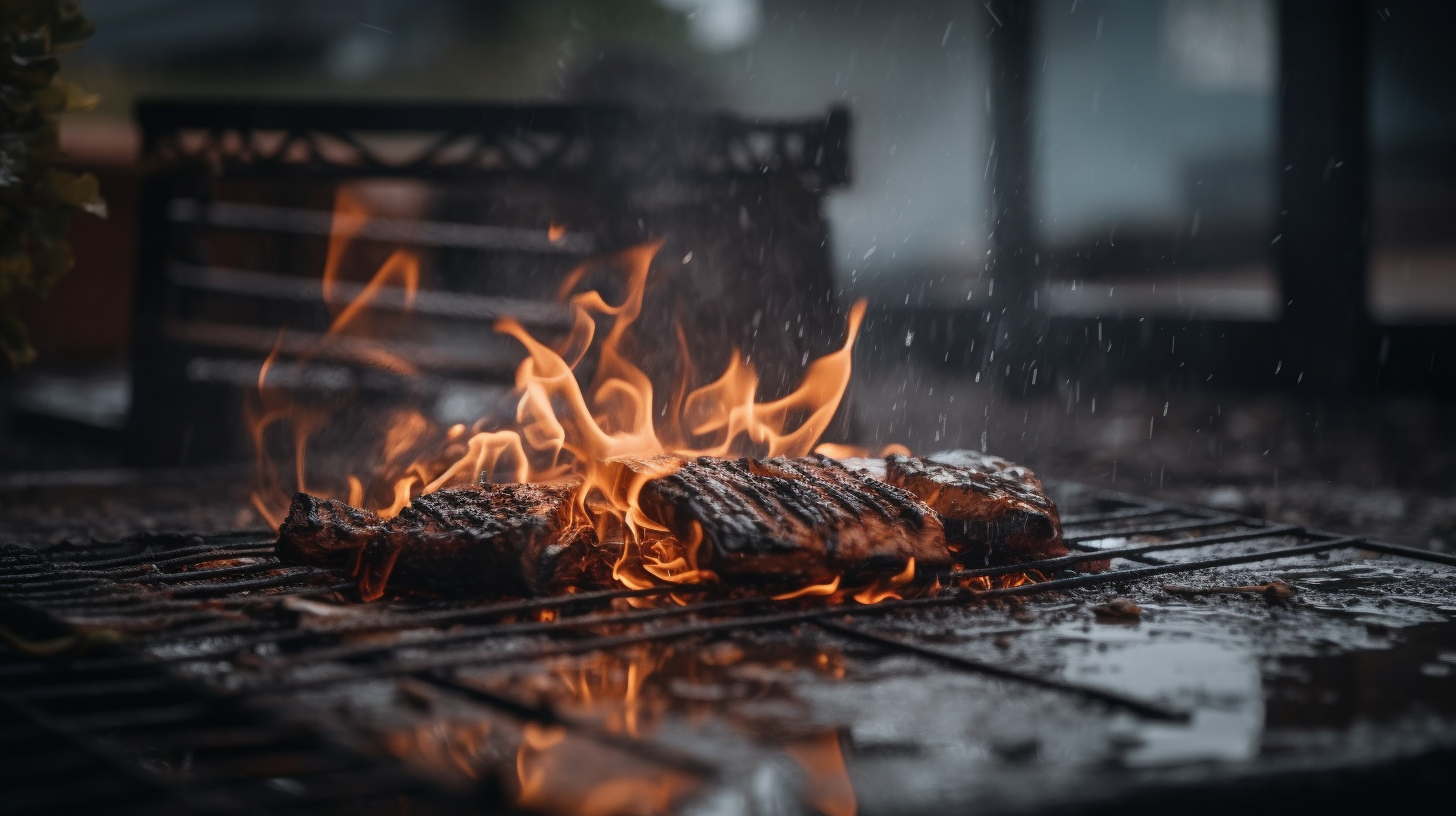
point(1413, 129)
point(1154, 168)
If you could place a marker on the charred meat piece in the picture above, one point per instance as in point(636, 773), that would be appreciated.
point(991, 508)
point(986, 463)
point(795, 519)
point(516, 539)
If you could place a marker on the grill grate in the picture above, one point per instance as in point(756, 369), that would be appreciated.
point(171, 661)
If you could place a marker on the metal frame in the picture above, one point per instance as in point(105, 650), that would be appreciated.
point(603, 154)
point(331, 140)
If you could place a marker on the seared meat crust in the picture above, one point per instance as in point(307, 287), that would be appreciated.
point(797, 519)
point(992, 509)
point(516, 539)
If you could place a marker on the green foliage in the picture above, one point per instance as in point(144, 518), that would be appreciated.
point(36, 199)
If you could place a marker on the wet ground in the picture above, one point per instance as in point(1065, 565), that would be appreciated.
point(1358, 668)
point(1214, 688)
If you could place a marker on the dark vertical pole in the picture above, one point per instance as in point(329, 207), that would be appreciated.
point(1324, 169)
point(1012, 268)
point(157, 423)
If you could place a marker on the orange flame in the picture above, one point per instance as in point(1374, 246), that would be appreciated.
point(811, 590)
point(401, 264)
point(888, 588)
point(562, 428)
point(349, 217)
point(273, 407)
point(589, 431)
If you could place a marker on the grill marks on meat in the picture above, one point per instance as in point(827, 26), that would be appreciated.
point(804, 520)
point(991, 507)
point(499, 539)
point(796, 519)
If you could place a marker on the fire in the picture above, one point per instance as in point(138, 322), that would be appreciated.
point(811, 591)
point(889, 588)
point(1015, 579)
point(562, 429)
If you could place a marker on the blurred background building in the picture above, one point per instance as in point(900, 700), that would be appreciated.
point(1153, 156)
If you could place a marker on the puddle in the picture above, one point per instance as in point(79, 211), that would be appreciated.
point(1413, 679)
point(1246, 698)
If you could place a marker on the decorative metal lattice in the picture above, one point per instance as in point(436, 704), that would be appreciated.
point(455, 140)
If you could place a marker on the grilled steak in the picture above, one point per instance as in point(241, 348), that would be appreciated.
point(991, 508)
point(514, 539)
point(797, 519)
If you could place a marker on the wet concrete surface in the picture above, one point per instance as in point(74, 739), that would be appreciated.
point(1357, 669)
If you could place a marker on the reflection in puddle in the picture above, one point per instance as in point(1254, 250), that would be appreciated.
point(1218, 683)
point(828, 790)
point(1245, 704)
point(559, 772)
point(1414, 679)
point(709, 702)
point(844, 733)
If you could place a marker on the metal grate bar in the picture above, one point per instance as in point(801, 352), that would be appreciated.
point(1448, 559)
point(1139, 707)
point(1164, 569)
point(203, 575)
point(231, 587)
point(1112, 515)
point(244, 614)
point(147, 565)
point(1128, 552)
point(355, 650)
point(674, 758)
point(1154, 529)
point(641, 616)
point(779, 619)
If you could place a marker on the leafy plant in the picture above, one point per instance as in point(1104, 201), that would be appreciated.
point(36, 198)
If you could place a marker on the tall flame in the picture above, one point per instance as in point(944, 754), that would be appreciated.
point(562, 429)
